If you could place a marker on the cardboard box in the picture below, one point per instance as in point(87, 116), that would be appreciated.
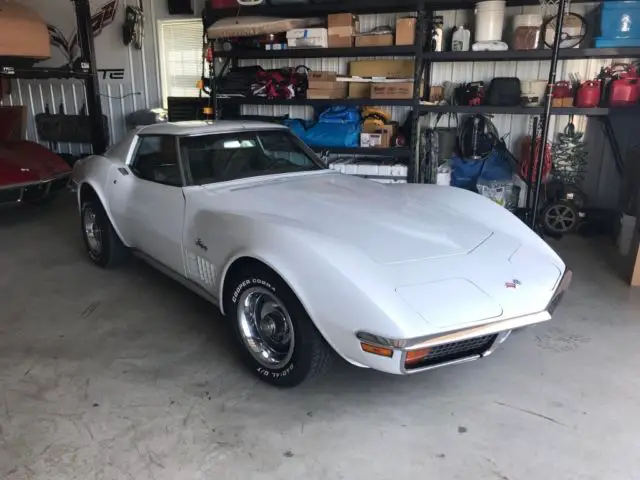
point(382, 68)
point(406, 31)
point(375, 140)
point(328, 85)
point(320, 76)
point(359, 90)
point(374, 40)
point(341, 20)
point(336, 41)
point(307, 33)
point(325, 93)
point(389, 129)
point(393, 91)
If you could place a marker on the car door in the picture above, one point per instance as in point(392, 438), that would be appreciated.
point(149, 201)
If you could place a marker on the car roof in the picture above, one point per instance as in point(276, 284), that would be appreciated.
point(205, 127)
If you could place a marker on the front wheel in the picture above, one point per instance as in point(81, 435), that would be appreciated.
point(276, 338)
point(103, 244)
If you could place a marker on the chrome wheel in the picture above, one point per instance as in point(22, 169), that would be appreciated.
point(265, 327)
point(92, 231)
point(561, 218)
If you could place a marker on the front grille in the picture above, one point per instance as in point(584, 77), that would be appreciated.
point(448, 352)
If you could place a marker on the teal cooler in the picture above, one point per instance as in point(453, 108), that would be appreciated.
point(619, 24)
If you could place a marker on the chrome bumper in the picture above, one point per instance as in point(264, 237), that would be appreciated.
point(500, 330)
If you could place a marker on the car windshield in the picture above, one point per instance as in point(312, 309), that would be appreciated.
point(229, 156)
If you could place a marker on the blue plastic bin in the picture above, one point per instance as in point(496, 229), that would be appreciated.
point(620, 20)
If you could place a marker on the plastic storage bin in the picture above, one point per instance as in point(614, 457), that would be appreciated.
point(526, 32)
point(489, 20)
point(620, 20)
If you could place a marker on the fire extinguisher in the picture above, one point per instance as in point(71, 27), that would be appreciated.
point(588, 94)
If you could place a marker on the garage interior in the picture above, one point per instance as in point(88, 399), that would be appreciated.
point(125, 374)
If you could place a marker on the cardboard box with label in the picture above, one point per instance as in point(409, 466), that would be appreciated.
point(374, 140)
point(307, 38)
point(406, 31)
point(377, 136)
point(382, 68)
point(324, 85)
point(374, 40)
point(392, 91)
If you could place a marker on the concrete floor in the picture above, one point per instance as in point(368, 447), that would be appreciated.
point(124, 374)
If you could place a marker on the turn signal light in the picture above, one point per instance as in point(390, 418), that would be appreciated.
point(207, 111)
point(416, 356)
point(383, 352)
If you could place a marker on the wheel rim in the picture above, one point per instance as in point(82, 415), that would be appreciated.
point(265, 327)
point(92, 231)
point(560, 218)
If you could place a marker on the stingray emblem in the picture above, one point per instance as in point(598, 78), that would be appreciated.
point(515, 283)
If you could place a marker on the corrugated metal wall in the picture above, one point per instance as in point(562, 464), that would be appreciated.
point(138, 89)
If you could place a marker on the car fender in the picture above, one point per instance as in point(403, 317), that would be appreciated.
point(96, 172)
point(338, 307)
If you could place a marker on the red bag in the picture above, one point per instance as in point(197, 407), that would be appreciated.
point(224, 3)
point(525, 159)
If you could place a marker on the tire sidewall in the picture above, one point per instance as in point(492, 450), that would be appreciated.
point(101, 259)
point(298, 366)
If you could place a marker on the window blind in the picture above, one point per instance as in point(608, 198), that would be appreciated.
point(181, 50)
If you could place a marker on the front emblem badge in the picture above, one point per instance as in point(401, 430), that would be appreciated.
point(515, 283)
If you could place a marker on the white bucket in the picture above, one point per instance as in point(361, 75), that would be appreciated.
point(489, 20)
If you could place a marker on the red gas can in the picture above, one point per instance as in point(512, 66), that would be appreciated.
point(588, 95)
point(623, 92)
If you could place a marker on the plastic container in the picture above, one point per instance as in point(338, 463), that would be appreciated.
point(526, 32)
point(620, 20)
point(533, 92)
point(489, 20)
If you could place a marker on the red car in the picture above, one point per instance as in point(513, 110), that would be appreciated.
point(29, 172)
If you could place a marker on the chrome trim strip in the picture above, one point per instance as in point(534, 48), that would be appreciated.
point(456, 335)
point(482, 330)
point(500, 339)
point(404, 371)
point(36, 183)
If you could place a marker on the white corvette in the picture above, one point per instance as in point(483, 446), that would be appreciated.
point(304, 261)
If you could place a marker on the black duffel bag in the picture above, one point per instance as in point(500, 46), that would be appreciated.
point(503, 92)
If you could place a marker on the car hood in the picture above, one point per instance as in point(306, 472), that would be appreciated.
point(385, 222)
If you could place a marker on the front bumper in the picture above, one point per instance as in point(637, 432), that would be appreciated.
point(456, 346)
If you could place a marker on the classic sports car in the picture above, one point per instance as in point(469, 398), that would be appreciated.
point(29, 172)
point(304, 261)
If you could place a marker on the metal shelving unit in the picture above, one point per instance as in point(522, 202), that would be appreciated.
point(87, 73)
point(423, 60)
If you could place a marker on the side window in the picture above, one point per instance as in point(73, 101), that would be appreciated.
point(156, 160)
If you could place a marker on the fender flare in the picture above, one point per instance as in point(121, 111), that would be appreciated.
point(105, 205)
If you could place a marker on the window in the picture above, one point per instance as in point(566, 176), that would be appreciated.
point(218, 158)
point(181, 50)
point(156, 160)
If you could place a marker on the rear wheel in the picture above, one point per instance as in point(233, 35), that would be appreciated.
point(276, 338)
point(102, 242)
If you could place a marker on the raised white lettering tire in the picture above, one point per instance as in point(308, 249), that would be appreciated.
point(276, 338)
